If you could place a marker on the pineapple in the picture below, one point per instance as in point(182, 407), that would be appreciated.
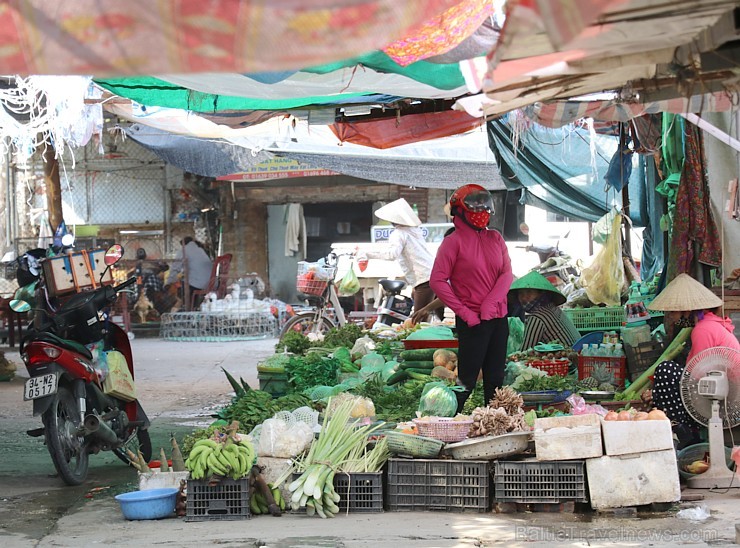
point(602, 375)
point(589, 383)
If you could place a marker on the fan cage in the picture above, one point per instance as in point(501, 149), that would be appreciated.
point(719, 358)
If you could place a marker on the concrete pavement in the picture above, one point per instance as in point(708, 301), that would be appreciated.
point(180, 384)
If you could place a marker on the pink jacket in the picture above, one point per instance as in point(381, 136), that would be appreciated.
point(472, 273)
point(712, 331)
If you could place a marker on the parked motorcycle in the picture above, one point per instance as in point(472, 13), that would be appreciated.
point(393, 308)
point(80, 415)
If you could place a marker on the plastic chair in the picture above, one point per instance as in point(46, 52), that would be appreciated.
point(217, 281)
point(594, 337)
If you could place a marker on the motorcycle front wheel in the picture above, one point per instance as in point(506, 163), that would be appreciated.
point(138, 440)
point(306, 323)
point(68, 450)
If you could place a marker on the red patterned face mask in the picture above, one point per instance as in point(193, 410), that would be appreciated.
point(478, 219)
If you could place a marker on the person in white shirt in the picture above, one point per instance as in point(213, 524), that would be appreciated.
point(197, 263)
point(406, 245)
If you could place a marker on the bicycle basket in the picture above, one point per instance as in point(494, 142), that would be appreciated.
point(312, 278)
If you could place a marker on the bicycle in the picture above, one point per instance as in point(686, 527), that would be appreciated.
point(316, 282)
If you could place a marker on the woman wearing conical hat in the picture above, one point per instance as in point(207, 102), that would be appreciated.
point(687, 303)
point(407, 245)
point(544, 321)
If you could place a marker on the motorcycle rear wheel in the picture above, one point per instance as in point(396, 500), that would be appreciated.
point(68, 451)
point(305, 323)
point(139, 440)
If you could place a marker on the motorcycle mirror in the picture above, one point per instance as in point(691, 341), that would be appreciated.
point(113, 255)
point(68, 240)
point(20, 306)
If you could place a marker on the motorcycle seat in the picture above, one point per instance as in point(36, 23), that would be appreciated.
point(65, 343)
point(392, 286)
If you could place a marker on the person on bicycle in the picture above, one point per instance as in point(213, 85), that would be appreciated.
point(472, 275)
point(406, 245)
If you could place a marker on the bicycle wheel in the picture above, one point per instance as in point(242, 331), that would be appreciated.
point(307, 323)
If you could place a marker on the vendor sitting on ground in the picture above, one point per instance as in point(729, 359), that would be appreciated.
point(544, 321)
point(686, 303)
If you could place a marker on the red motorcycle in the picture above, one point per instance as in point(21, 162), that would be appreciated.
point(80, 414)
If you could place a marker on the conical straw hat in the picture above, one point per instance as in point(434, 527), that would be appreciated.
point(398, 212)
point(684, 293)
point(535, 280)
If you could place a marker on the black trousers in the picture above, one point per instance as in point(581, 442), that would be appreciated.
point(482, 347)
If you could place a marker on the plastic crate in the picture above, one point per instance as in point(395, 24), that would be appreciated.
point(596, 318)
point(446, 485)
point(540, 482)
point(552, 367)
point(614, 364)
point(273, 383)
point(359, 492)
point(641, 357)
point(227, 500)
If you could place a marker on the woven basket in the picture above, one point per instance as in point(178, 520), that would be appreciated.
point(443, 429)
point(413, 446)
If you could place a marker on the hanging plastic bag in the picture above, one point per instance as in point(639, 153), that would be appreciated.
point(604, 279)
point(438, 400)
point(602, 227)
point(516, 335)
point(349, 284)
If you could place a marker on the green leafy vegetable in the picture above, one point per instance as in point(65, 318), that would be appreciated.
point(312, 370)
point(294, 342)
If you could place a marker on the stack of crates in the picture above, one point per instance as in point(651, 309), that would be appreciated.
point(532, 482)
point(446, 485)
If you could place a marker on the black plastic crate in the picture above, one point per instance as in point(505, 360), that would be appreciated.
point(641, 357)
point(227, 500)
point(446, 485)
point(530, 481)
point(360, 492)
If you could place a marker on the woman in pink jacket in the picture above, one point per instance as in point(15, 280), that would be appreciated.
point(472, 276)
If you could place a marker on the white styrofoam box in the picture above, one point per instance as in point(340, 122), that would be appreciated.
point(633, 480)
point(161, 480)
point(625, 437)
point(567, 438)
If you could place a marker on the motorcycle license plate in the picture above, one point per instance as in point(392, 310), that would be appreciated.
point(38, 387)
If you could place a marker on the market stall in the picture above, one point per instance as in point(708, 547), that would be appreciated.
point(355, 422)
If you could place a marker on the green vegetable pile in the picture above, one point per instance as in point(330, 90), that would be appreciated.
point(311, 370)
point(475, 399)
point(346, 336)
point(551, 382)
point(392, 404)
point(294, 342)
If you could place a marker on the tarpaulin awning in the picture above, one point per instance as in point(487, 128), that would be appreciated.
point(106, 37)
point(441, 33)
point(552, 50)
point(558, 170)
point(392, 132)
point(152, 91)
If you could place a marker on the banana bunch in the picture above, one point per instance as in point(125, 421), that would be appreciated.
point(232, 459)
point(258, 504)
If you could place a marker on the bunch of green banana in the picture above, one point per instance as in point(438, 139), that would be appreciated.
point(230, 459)
point(258, 504)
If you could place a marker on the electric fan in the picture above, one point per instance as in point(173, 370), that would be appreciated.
point(710, 391)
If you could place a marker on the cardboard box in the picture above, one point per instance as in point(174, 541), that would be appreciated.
point(568, 438)
point(625, 437)
point(75, 272)
point(633, 480)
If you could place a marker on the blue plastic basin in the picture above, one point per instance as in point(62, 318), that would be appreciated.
point(149, 504)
